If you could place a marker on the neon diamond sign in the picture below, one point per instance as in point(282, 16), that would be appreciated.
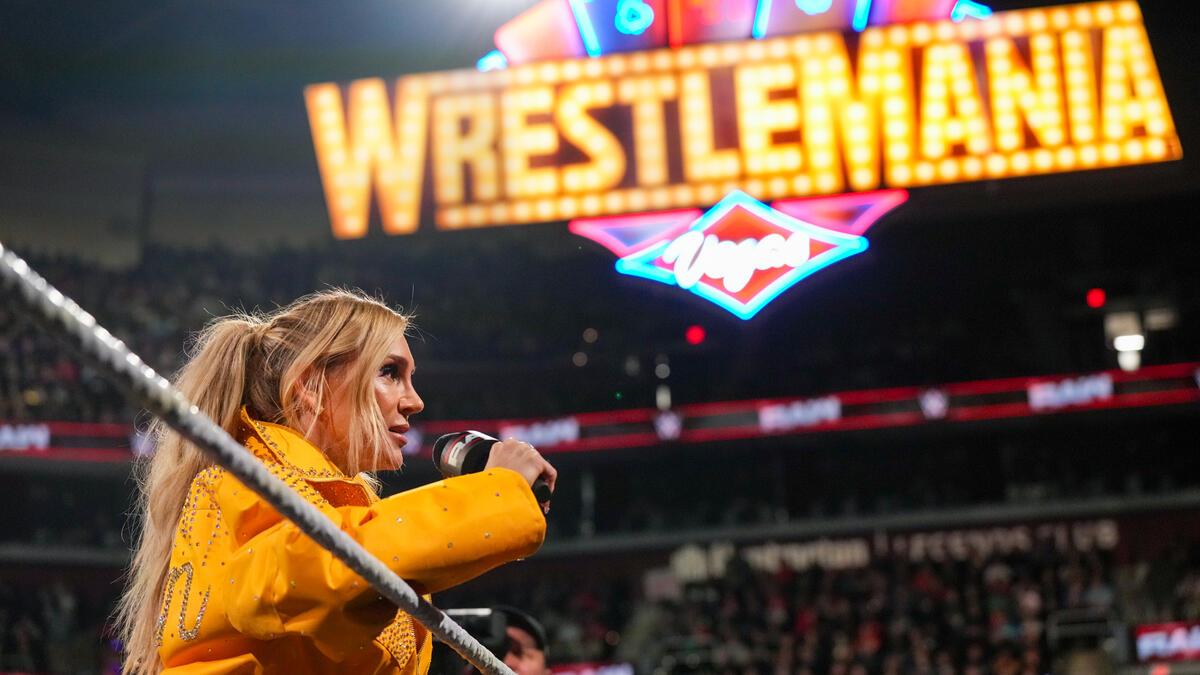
point(741, 254)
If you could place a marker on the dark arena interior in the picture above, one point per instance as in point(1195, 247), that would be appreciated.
point(970, 448)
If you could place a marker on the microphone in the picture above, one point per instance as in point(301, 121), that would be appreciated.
point(467, 452)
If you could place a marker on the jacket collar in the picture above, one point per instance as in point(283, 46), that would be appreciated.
point(284, 445)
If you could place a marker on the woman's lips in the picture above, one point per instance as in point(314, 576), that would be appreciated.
point(401, 439)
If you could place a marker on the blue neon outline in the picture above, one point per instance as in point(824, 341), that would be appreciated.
point(641, 264)
point(623, 26)
point(493, 60)
point(587, 32)
point(762, 16)
point(809, 12)
point(969, 8)
point(862, 15)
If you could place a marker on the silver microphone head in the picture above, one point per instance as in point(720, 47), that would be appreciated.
point(452, 452)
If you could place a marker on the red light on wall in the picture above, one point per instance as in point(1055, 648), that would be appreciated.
point(1096, 298)
point(694, 335)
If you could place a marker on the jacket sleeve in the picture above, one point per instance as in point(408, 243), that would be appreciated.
point(433, 537)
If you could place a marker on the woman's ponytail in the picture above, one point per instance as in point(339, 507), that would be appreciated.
point(215, 380)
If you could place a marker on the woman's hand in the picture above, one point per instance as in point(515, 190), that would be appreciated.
point(524, 459)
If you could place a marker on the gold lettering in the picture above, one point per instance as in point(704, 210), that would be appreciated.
point(842, 116)
point(350, 156)
point(523, 140)
point(647, 95)
point(951, 109)
point(476, 148)
point(760, 117)
point(701, 161)
point(1132, 95)
point(1017, 93)
point(606, 167)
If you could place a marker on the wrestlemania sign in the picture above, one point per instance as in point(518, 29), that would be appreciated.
point(592, 111)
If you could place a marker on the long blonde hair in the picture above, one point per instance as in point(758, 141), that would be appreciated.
point(263, 362)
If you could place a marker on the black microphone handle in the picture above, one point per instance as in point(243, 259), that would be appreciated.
point(477, 458)
point(541, 491)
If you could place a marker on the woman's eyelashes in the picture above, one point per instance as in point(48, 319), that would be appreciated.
point(390, 371)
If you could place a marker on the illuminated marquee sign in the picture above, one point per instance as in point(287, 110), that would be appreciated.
point(597, 108)
point(931, 102)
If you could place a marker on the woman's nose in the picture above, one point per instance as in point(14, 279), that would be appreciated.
point(411, 403)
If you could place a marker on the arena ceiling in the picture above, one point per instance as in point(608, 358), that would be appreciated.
point(180, 69)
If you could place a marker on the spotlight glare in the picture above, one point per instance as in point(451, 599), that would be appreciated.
point(1129, 343)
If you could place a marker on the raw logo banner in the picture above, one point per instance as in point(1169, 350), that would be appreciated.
point(1175, 641)
point(66, 441)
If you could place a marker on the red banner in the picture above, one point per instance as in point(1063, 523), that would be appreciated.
point(1178, 641)
point(69, 441)
point(1176, 384)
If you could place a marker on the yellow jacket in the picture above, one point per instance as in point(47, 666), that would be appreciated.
point(247, 592)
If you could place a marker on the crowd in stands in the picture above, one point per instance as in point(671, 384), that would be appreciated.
point(86, 513)
point(155, 308)
point(527, 324)
point(57, 626)
point(741, 485)
point(976, 616)
point(981, 615)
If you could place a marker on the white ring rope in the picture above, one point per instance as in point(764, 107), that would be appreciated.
point(68, 321)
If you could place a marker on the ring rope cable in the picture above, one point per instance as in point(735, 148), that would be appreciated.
point(63, 317)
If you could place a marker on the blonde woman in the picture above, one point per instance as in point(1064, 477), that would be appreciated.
point(322, 392)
